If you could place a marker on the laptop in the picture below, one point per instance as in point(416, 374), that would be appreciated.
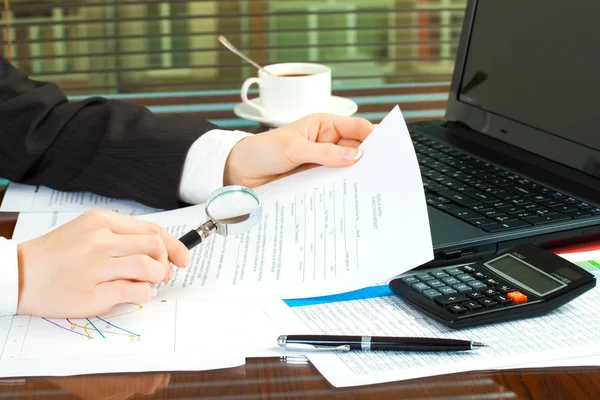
point(517, 158)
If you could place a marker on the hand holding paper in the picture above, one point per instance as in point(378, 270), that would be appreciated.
point(324, 139)
point(323, 231)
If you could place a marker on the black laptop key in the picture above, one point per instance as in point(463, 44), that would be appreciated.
point(564, 208)
point(458, 197)
point(548, 219)
point(480, 196)
point(578, 214)
point(479, 207)
point(482, 221)
point(463, 213)
point(505, 226)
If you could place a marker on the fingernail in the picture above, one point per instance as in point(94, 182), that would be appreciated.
point(351, 154)
point(170, 273)
point(154, 292)
point(188, 260)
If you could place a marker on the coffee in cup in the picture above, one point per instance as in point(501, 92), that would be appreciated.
point(290, 91)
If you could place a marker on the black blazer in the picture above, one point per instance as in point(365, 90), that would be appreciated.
point(108, 147)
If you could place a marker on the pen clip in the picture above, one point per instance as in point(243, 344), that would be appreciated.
point(315, 347)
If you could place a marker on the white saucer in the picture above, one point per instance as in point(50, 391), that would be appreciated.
point(339, 105)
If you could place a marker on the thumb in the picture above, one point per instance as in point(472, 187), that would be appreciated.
point(328, 154)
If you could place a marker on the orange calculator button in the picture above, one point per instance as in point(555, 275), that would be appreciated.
point(517, 297)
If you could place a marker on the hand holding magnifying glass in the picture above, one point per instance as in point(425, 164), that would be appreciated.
point(231, 210)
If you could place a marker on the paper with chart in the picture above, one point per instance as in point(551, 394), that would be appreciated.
point(30, 198)
point(323, 231)
point(156, 336)
point(571, 331)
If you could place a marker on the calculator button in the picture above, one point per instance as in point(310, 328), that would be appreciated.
point(462, 288)
point(487, 303)
point(457, 308)
point(449, 280)
point(446, 290)
point(489, 292)
point(419, 287)
point(453, 271)
point(476, 285)
point(409, 280)
point(464, 278)
point(491, 282)
point(504, 289)
point(451, 299)
point(503, 300)
point(480, 275)
point(517, 297)
point(475, 296)
point(472, 305)
point(431, 293)
point(468, 269)
point(439, 274)
point(424, 277)
point(435, 283)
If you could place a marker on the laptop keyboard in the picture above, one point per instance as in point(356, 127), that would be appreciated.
point(488, 196)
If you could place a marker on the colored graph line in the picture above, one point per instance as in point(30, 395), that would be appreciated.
point(87, 332)
point(117, 327)
point(88, 320)
point(62, 327)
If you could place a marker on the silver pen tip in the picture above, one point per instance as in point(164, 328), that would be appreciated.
point(478, 344)
point(282, 340)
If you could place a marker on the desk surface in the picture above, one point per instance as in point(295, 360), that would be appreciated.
point(268, 378)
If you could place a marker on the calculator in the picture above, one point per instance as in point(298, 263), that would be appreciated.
point(524, 281)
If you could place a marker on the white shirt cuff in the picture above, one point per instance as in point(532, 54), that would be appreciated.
point(205, 164)
point(9, 271)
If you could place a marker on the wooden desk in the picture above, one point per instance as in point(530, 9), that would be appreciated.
point(272, 378)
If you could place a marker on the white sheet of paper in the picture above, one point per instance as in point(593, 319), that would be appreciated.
point(323, 231)
point(581, 256)
point(541, 341)
point(154, 336)
point(30, 198)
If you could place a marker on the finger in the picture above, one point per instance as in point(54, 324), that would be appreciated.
point(328, 154)
point(351, 127)
point(122, 224)
point(139, 267)
point(129, 245)
point(124, 291)
point(349, 142)
point(150, 245)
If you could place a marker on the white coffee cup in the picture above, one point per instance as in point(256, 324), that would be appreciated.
point(292, 91)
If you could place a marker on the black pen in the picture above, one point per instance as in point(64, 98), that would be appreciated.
point(382, 343)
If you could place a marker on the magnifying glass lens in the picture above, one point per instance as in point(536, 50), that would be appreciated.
point(231, 210)
point(232, 207)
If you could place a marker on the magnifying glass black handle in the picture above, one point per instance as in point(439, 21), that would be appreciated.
point(191, 239)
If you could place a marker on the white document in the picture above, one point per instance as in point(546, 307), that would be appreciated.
point(323, 231)
point(581, 256)
point(553, 339)
point(30, 198)
point(155, 336)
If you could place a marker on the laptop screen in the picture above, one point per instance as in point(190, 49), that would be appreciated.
point(537, 62)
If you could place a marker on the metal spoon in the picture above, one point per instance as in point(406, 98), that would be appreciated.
point(234, 50)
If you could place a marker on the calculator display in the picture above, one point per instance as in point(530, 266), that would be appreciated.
point(524, 274)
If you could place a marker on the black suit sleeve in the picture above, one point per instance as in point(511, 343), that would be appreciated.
point(108, 147)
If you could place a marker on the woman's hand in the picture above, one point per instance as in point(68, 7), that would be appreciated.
point(93, 263)
point(319, 139)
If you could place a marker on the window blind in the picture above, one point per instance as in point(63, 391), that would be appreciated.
point(138, 47)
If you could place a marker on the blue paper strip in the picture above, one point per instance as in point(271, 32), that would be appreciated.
point(366, 293)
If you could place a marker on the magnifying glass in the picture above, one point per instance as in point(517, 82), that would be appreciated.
point(231, 210)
